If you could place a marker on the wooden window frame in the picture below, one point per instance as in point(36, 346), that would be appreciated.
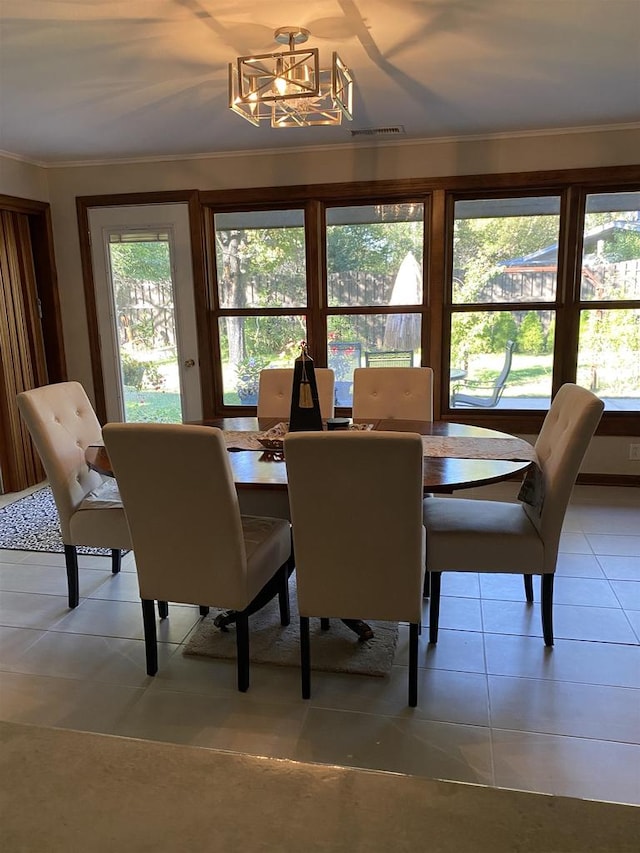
point(439, 195)
point(572, 185)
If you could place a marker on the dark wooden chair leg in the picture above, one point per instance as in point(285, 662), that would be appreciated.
point(324, 624)
point(528, 588)
point(204, 610)
point(163, 609)
point(242, 650)
point(150, 643)
point(116, 560)
point(434, 607)
point(71, 561)
point(283, 596)
point(413, 664)
point(547, 609)
point(426, 588)
point(305, 657)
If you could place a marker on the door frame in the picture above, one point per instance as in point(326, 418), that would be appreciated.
point(17, 470)
point(44, 262)
point(201, 292)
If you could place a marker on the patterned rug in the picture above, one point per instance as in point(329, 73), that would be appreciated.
point(335, 650)
point(31, 524)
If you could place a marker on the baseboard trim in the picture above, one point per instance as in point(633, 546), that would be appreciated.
point(609, 480)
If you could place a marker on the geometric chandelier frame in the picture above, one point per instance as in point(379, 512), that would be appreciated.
point(288, 88)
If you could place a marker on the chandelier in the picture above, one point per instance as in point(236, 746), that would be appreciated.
point(289, 89)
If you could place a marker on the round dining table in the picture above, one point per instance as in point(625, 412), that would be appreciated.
point(261, 476)
point(256, 471)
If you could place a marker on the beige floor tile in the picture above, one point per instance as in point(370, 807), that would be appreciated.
point(458, 697)
point(64, 703)
point(81, 656)
point(413, 746)
point(596, 592)
point(611, 664)
point(570, 622)
point(459, 651)
point(46, 580)
point(31, 610)
point(605, 498)
point(620, 568)
point(627, 593)
point(85, 561)
point(558, 707)
point(460, 614)
point(14, 642)
point(120, 587)
point(614, 546)
point(578, 566)
point(460, 584)
point(224, 722)
point(124, 619)
point(213, 677)
point(9, 555)
point(567, 766)
point(634, 620)
point(623, 520)
point(574, 543)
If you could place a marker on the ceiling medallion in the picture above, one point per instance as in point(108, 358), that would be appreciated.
point(289, 89)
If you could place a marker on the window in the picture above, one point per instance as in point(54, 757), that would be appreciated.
point(261, 272)
point(504, 288)
point(374, 273)
point(507, 289)
point(609, 337)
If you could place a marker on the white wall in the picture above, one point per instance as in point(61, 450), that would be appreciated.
point(23, 180)
point(382, 161)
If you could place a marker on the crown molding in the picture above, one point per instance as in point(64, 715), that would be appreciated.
point(360, 144)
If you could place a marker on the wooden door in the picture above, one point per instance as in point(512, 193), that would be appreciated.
point(22, 356)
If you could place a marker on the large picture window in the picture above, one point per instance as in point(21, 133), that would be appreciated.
point(609, 338)
point(504, 288)
point(261, 270)
point(374, 273)
point(506, 291)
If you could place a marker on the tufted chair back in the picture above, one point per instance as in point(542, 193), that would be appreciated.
point(274, 392)
point(405, 393)
point(498, 536)
point(561, 446)
point(190, 541)
point(359, 542)
point(62, 424)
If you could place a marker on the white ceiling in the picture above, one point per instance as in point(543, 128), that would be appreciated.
point(82, 80)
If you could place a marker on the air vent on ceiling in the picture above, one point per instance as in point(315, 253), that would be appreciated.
point(380, 131)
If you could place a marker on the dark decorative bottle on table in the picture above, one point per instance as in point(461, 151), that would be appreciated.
point(305, 404)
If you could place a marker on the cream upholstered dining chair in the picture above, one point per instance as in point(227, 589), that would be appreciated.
point(62, 424)
point(190, 542)
point(393, 392)
point(274, 392)
point(492, 536)
point(356, 511)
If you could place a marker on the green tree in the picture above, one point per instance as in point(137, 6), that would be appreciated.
point(531, 337)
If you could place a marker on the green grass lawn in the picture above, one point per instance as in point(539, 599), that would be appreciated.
point(152, 407)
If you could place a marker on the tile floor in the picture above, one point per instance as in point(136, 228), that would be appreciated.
point(495, 706)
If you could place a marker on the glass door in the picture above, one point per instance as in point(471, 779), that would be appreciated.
point(146, 314)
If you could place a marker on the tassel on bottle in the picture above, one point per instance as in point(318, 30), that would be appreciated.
point(306, 400)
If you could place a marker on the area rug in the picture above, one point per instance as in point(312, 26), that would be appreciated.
point(335, 650)
point(31, 524)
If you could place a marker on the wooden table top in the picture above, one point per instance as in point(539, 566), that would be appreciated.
point(256, 470)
